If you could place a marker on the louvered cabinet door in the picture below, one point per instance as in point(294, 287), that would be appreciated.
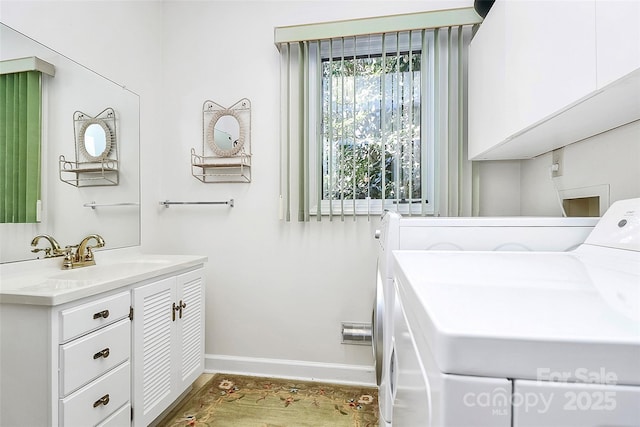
point(155, 349)
point(190, 327)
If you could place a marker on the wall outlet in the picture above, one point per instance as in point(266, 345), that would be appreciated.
point(556, 162)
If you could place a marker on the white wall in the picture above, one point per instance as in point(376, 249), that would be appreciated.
point(130, 53)
point(275, 291)
point(498, 187)
point(605, 164)
point(610, 159)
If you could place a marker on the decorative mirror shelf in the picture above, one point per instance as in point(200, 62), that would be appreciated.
point(226, 144)
point(96, 151)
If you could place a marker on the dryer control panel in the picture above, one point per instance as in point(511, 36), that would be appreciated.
point(619, 227)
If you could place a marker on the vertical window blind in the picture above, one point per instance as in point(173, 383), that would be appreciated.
point(375, 121)
point(20, 133)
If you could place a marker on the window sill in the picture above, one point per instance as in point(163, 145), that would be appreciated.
point(374, 207)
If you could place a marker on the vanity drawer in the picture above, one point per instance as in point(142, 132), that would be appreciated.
point(120, 418)
point(84, 318)
point(86, 358)
point(97, 401)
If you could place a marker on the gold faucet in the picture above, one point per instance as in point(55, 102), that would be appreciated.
point(83, 255)
point(53, 251)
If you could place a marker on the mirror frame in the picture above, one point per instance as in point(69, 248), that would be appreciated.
point(235, 149)
point(108, 140)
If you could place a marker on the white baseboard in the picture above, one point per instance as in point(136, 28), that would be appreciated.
point(295, 369)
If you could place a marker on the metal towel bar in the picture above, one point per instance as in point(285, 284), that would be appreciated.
point(94, 205)
point(166, 203)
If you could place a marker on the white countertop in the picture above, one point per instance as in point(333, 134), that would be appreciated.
point(43, 282)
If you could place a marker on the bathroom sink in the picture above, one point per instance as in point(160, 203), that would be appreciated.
point(43, 282)
point(97, 273)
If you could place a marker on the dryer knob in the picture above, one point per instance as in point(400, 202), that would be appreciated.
point(377, 234)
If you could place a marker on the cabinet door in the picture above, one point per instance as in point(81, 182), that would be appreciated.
point(551, 58)
point(190, 328)
point(618, 39)
point(528, 61)
point(154, 349)
point(487, 83)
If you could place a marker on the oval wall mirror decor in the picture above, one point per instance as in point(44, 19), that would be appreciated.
point(96, 151)
point(226, 143)
point(94, 140)
point(225, 135)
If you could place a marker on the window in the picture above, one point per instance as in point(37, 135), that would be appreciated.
point(371, 110)
point(375, 120)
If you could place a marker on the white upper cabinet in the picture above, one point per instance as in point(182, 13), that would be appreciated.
point(550, 58)
point(618, 41)
point(488, 81)
point(545, 74)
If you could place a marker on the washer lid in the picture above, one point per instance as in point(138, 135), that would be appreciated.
point(532, 315)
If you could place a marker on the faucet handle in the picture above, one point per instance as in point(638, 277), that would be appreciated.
point(47, 251)
point(68, 256)
point(88, 254)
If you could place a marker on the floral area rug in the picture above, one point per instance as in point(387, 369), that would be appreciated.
point(243, 401)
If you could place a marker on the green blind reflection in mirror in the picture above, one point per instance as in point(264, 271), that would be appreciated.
point(20, 124)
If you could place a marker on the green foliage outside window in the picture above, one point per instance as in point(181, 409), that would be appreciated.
point(360, 122)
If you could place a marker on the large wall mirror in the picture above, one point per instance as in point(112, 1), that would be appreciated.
point(116, 215)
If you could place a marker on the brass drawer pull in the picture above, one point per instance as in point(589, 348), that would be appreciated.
point(101, 314)
point(102, 353)
point(182, 305)
point(173, 312)
point(104, 400)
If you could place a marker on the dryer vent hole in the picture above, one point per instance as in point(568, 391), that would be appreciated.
point(582, 206)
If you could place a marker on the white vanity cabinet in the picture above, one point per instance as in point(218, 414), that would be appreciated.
point(102, 345)
point(168, 339)
point(66, 365)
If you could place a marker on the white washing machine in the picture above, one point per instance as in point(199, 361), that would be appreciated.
point(521, 339)
point(504, 233)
